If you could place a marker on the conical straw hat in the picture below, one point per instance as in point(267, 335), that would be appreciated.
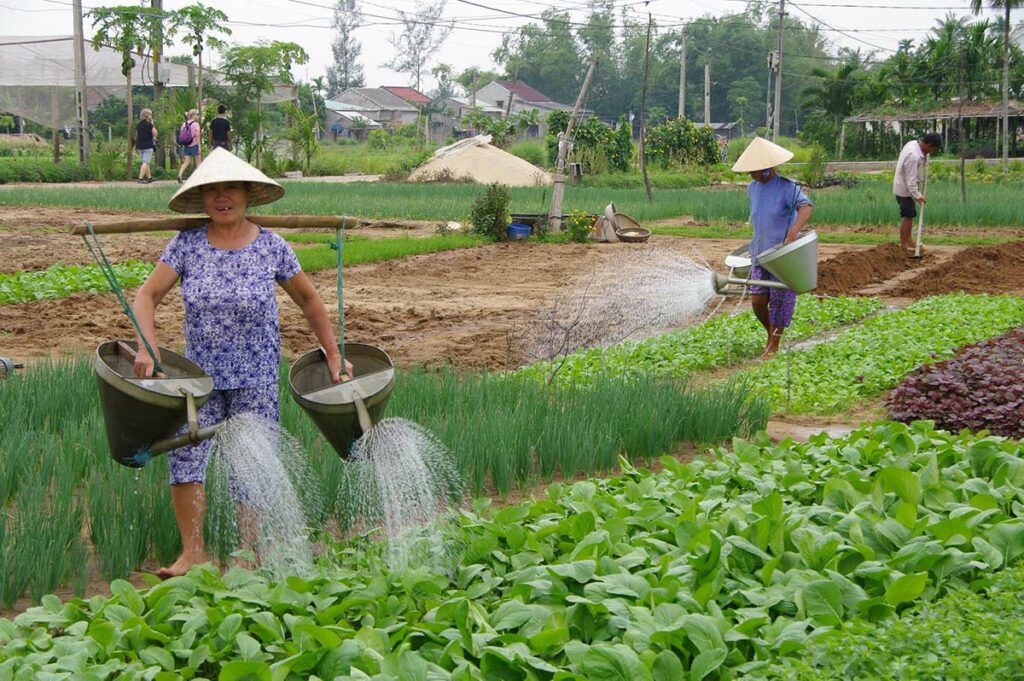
point(761, 155)
point(223, 166)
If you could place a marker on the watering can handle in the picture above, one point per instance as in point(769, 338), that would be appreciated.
point(192, 417)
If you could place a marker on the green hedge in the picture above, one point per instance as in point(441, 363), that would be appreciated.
point(27, 169)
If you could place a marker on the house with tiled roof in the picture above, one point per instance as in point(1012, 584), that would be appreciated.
point(378, 104)
point(409, 94)
point(523, 98)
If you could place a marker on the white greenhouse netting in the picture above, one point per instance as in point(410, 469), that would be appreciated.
point(37, 78)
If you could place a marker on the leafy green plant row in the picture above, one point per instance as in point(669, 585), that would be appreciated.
point(832, 237)
point(873, 357)
point(721, 569)
point(376, 250)
point(720, 341)
point(36, 169)
point(870, 202)
point(61, 281)
point(963, 635)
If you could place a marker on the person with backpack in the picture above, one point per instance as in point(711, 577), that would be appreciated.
point(145, 142)
point(188, 143)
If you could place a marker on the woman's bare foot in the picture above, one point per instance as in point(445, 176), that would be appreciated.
point(182, 565)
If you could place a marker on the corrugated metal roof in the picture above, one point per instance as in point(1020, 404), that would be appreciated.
point(969, 110)
point(374, 98)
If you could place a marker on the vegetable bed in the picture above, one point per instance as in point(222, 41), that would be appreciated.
point(980, 388)
point(720, 341)
point(871, 358)
point(64, 500)
point(713, 570)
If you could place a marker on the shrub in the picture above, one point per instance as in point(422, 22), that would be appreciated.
point(578, 225)
point(489, 216)
point(25, 169)
point(812, 173)
point(619, 147)
point(378, 140)
point(978, 389)
point(679, 142)
point(531, 151)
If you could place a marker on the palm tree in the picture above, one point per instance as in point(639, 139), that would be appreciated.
point(1006, 6)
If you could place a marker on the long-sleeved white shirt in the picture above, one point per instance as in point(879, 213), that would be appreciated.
point(908, 170)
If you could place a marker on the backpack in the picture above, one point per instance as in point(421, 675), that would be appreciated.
point(185, 134)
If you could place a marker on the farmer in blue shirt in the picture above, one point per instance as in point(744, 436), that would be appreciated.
point(779, 209)
point(229, 271)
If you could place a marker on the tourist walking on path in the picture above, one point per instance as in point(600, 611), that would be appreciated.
point(229, 269)
point(220, 130)
point(188, 143)
point(145, 142)
point(779, 209)
point(906, 181)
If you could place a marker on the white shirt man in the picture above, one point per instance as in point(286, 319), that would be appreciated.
point(906, 181)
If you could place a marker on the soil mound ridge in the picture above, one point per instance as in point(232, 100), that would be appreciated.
point(847, 273)
point(981, 269)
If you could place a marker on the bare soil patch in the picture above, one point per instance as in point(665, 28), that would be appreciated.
point(982, 269)
point(849, 272)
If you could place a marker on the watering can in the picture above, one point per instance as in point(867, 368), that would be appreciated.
point(142, 415)
point(343, 411)
point(794, 264)
point(7, 367)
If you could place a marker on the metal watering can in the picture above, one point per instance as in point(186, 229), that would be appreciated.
point(794, 264)
point(143, 416)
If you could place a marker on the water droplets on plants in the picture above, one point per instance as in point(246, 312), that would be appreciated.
point(402, 480)
point(637, 292)
point(259, 464)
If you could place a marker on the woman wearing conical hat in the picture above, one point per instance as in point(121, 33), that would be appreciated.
point(229, 269)
point(779, 209)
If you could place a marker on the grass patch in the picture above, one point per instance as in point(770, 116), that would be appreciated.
point(870, 203)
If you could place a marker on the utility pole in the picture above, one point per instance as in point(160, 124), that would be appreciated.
point(777, 109)
point(643, 112)
point(81, 104)
point(158, 81)
point(707, 94)
point(682, 73)
point(1006, 88)
point(511, 93)
point(558, 190)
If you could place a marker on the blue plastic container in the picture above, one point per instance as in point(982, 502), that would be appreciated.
point(517, 231)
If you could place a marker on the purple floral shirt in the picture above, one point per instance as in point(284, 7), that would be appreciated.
point(231, 327)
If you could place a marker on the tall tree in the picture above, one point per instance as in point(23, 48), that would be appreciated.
point(547, 56)
point(1006, 6)
point(445, 80)
point(201, 23)
point(346, 71)
point(254, 70)
point(423, 33)
point(131, 31)
point(473, 78)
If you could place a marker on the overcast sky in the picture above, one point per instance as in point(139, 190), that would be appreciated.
point(876, 25)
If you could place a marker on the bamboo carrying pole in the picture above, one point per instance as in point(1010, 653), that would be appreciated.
point(192, 221)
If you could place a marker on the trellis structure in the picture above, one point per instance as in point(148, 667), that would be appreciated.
point(940, 119)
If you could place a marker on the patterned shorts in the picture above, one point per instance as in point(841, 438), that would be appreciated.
point(188, 464)
point(781, 302)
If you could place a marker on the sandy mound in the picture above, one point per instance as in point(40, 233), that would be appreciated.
point(480, 162)
point(847, 273)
